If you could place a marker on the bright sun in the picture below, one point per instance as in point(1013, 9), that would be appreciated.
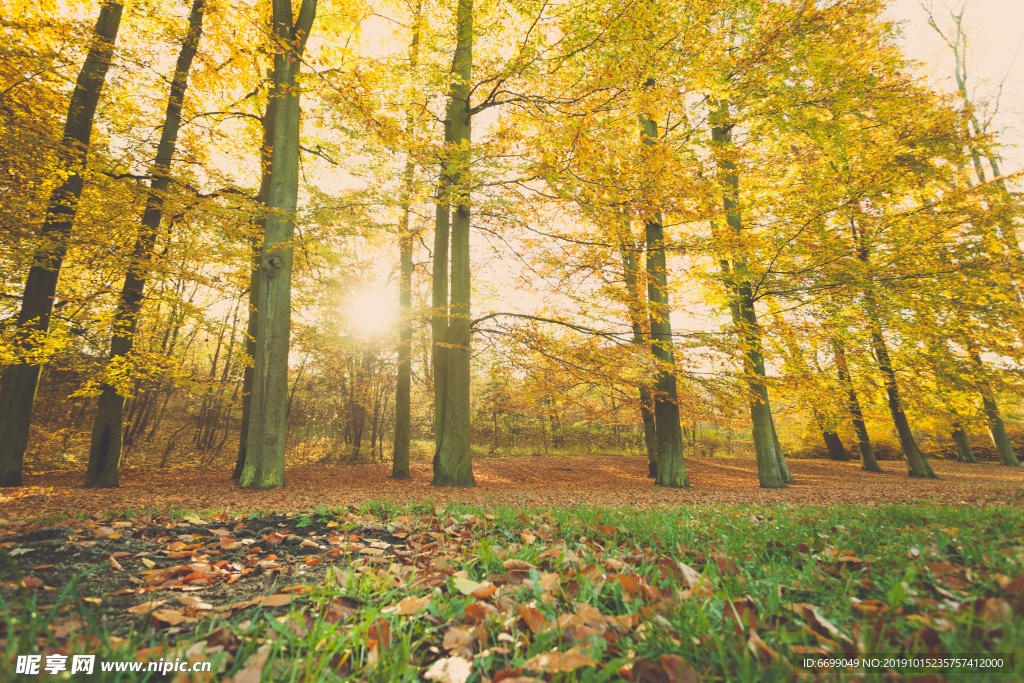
point(372, 311)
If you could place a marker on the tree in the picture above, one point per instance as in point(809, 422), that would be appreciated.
point(868, 463)
point(105, 451)
point(770, 461)
point(668, 431)
point(403, 383)
point(452, 462)
point(255, 279)
point(20, 380)
point(265, 456)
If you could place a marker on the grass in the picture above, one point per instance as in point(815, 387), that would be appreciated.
point(937, 576)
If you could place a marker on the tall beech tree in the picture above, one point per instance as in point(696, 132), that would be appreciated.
point(105, 450)
point(667, 429)
point(771, 468)
point(635, 304)
point(255, 279)
point(20, 380)
point(265, 454)
point(452, 462)
point(996, 428)
point(403, 380)
point(868, 463)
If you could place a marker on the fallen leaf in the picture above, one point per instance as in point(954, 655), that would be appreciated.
point(171, 617)
point(868, 607)
point(485, 591)
point(558, 662)
point(995, 610)
point(758, 647)
point(466, 586)
point(252, 670)
point(629, 584)
point(380, 631)
point(678, 670)
point(739, 613)
point(535, 621)
point(408, 606)
point(517, 564)
point(144, 607)
point(479, 612)
point(277, 600)
point(459, 641)
point(449, 670)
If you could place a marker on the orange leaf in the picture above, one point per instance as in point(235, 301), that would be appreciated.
point(479, 612)
point(535, 621)
point(277, 600)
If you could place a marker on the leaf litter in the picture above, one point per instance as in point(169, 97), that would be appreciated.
point(591, 598)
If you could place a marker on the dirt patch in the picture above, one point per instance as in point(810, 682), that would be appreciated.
point(156, 573)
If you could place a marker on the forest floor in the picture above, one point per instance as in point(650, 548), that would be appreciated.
point(545, 568)
point(606, 480)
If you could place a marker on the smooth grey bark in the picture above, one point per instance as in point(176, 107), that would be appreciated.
point(20, 380)
point(453, 463)
point(860, 430)
point(667, 428)
point(772, 471)
point(634, 295)
point(996, 428)
point(255, 277)
point(105, 450)
point(265, 457)
point(403, 378)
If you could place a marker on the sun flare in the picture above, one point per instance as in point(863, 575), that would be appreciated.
point(372, 311)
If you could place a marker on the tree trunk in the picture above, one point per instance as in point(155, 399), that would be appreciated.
point(964, 452)
point(667, 428)
point(453, 464)
point(634, 294)
point(403, 380)
point(917, 464)
point(780, 457)
point(439, 300)
point(265, 457)
point(996, 428)
point(650, 433)
point(867, 453)
point(834, 445)
point(769, 459)
point(20, 380)
point(266, 162)
point(105, 450)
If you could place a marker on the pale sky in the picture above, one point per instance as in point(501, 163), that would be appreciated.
point(994, 30)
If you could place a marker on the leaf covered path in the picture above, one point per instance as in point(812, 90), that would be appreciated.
point(563, 481)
